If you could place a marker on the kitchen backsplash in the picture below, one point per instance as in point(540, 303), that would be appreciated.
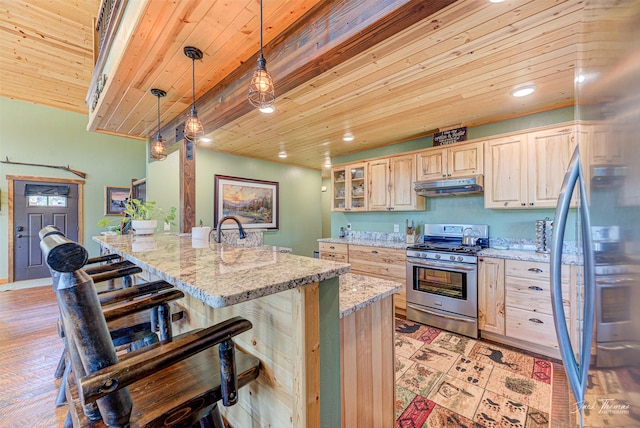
point(498, 243)
point(376, 236)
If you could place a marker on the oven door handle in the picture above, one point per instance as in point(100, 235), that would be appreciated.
point(439, 314)
point(453, 267)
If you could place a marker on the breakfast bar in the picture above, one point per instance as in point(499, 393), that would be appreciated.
point(297, 306)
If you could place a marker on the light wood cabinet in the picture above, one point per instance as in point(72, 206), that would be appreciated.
point(527, 170)
point(391, 185)
point(367, 366)
point(603, 147)
point(549, 154)
point(349, 187)
point(528, 308)
point(491, 295)
point(457, 160)
point(514, 304)
point(385, 263)
point(334, 252)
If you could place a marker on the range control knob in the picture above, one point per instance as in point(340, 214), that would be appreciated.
point(459, 258)
point(452, 258)
point(437, 256)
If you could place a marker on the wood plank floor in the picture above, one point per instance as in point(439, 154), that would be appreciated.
point(29, 352)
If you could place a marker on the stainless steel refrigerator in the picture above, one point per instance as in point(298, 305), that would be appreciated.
point(603, 362)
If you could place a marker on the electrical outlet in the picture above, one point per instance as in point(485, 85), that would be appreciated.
point(167, 226)
point(348, 226)
point(396, 228)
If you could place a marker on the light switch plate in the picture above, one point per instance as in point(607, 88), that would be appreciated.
point(167, 226)
point(396, 228)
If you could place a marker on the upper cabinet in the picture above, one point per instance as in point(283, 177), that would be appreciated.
point(527, 170)
point(456, 160)
point(603, 148)
point(349, 187)
point(391, 185)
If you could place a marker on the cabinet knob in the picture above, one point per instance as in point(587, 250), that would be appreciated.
point(332, 247)
point(533, 287)
point(531, 203)
point(536, 321)
point(523, 204)
point(374, 252)
point(536, 270)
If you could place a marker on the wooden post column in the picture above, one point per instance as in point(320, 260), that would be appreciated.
point(187, 185)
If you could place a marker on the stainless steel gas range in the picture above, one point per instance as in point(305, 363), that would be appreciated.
point(442, 277)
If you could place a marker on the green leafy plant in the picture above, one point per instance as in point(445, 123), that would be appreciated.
point(138, 210)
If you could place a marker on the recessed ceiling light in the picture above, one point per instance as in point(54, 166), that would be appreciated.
point(205, 140)
point(580, 78)
point(523, 91)
point(282, 155)
point(348, 137)
point(267, 110)
point(496, 1)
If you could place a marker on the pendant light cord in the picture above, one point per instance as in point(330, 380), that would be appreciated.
point(193, 86)
point(261, 56)
point(158, 136)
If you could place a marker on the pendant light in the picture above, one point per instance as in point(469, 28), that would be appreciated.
point(261, 93)
point(193, 126)
point(158, 149)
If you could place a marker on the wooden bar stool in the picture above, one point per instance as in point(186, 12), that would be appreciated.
point(173, 383)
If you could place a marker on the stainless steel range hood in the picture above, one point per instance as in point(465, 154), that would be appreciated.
point(450, 186)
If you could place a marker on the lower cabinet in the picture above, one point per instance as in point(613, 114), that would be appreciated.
point(367, 380)
point(334, 252)
point(491, 294)
point(385, 263)
point(514, 303)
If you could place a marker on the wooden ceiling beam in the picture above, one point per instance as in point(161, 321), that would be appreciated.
point(328, 35)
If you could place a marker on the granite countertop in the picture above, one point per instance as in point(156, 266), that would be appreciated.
point(499, 252)
point(359, 291)
point(398, 245)
point(218, 274)
point(526, 255)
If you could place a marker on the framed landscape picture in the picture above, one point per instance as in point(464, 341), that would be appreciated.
point(115, 199)
point(253, 202)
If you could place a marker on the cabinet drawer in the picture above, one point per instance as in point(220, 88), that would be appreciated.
point(329, 247)
point(335, 257)
point(533, 270)
point(374, 261)
point(533, 295)
point(531, 327)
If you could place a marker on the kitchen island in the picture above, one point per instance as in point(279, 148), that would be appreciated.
point(292, 301)
point(295, 305)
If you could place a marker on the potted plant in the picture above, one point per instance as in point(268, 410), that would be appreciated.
point(143, 216)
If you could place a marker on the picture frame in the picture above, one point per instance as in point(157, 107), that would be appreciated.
point(115, 198)
point(254, 202)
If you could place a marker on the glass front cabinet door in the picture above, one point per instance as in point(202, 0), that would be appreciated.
point(349, 185)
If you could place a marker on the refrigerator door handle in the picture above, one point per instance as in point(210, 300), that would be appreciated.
point(577, 373)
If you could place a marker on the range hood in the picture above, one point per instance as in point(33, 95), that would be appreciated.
point(450, 186)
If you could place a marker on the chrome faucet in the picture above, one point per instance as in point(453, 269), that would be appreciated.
point(219, 228)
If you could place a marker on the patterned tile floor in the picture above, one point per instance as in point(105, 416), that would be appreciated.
point(447, 380)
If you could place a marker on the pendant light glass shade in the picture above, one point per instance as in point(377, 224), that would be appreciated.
point(158, 149)
point(261, 91)
point(193, 128)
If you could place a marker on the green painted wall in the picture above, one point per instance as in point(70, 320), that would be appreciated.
point(515, 224)
point(38, 134)
point(299, 189)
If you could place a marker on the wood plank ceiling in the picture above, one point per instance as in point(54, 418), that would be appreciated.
point(455, 67)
